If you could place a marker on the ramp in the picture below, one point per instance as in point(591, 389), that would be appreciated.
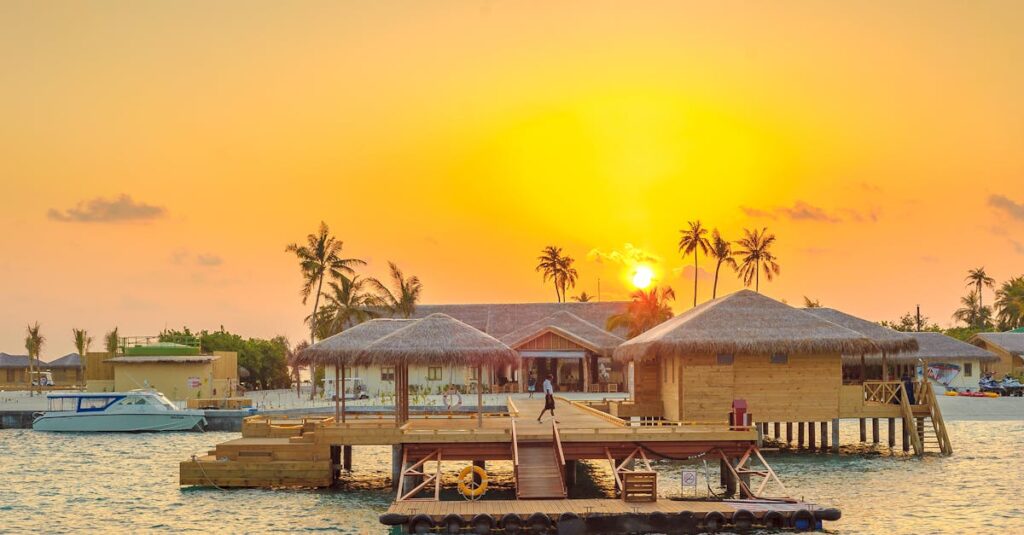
point(539, 467)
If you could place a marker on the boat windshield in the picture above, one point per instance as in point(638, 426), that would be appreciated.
point(65, 403)
point(160, 399)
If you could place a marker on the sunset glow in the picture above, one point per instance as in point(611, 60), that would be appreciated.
point(642, 277)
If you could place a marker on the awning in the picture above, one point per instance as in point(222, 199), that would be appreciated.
point(553, 354)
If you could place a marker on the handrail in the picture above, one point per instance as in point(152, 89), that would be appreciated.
point(908, 420)
point(513, 409)
point(937, 422)
point(561, 455)
point(515, 446)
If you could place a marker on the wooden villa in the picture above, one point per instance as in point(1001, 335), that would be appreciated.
point(14, 371)
point(1009, 347)
point(946, 362)
point(67, 370)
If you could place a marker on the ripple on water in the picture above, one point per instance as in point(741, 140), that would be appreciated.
point(78, 482)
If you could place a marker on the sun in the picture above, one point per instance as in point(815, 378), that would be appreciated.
point(642, 276)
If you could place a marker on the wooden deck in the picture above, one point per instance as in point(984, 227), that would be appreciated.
point(584, 507)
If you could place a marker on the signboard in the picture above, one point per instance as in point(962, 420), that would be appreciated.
point(193, 382)
point(688, 479)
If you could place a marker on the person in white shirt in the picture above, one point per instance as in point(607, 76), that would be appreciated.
point(549, 399)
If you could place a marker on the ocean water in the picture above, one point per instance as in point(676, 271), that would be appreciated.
point(59, 483)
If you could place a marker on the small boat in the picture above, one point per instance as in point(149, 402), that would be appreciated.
point(133, 411)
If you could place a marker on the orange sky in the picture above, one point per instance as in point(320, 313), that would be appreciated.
point(881, 143)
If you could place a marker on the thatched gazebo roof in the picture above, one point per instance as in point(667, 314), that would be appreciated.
point(886, 340)
point(71, 360)
point(744, 323)
point(570, 327)
point(437, 339)
point(343, 347)
point(931, 346)
point(1011, 342)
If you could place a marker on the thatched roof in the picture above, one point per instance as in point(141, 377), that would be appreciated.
point(744, 323)
point(931, 346)
point(437, 339)
point(886, 340)
point(1012, 343)
point(569, 326)
point(344, 346)
point(71, 360)
point(501, 319)
point(13, 361)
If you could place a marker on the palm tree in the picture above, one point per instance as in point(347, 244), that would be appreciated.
point(320, 257)
point(346, 304)
point(111, 341)
point(645, 310)
point(721, 251)
point(291, 357)
point(34, 341)
point(583, 297)
point(402, 301)
point(82, 343)
point(550, 264)
point(1010, 303)
point(972, 313)
point(978, 278)
point(690, 241)
point(755, 255)
point(566, 274)
point(811, 303)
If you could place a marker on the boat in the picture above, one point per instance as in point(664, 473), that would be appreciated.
point(133, 411)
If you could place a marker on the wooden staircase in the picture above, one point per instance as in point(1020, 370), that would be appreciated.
point(927, 432)
point(539, 467)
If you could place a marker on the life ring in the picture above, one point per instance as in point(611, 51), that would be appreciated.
point(469, 474)
point(447, 399)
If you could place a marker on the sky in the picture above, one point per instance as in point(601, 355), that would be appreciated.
point(157, 157)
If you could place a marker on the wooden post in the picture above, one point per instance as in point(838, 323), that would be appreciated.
point(874, 431)
point(892, 432)
point(906, 436)
point(863, 430)
point(342, 390)
point(885, 367)
point(337, 396)
point(824, 436)
point(480, 397)
point(778, 427)
point(835, 435)
point(863, 370)
point(346, 458)
point(800, 435)
point(335, 461)
point(570, 474)
point(811, 443)
point(789, 432)
point(396, 460)
point(729, 480)
point(745, 478)
point(585, 368)
point(476, 477)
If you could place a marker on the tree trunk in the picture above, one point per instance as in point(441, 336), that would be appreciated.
point(312, 337)
point(714, 289)
point(31, 361)
point(757, 277)
point(695, 277)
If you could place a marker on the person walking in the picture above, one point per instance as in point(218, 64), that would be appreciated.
point(531, 385)
point(549, 400)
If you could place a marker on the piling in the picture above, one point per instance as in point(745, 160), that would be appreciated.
point(835, 435)
point(800, 435)
point(892, 432)
point(396, 465)
point(874, 431)
point(906, 437)
point(824, 436)
point(346, 458)
point(863, 430)
point(778, 430)
point(570, 474)
point(789, 432)
point(811, 443)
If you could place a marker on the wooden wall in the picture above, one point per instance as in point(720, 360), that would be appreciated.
point(549, 341)
point(646, 380)
point(698, 389)
point(97, 369)
point(1008, 363)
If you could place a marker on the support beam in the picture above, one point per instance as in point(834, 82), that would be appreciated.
point(396, 461)
point(338, 394)
point(835, 435)
point(570, 474)
point(824, 436)
point(811, 443)
point(341, 388)
point(729, 481)
point(874, 431)
point(789, 432)
point(892, 432)
point(906, 436)
point(863, 430)
point(778, 430)
point(800, 435)
point(346, 458)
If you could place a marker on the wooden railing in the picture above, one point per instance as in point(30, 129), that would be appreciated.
point(937, 421)
point(515, 456)
point(557, 439)
point(891, 391)
point(909, 423)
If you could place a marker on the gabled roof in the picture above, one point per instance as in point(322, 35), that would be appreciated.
point(885, 339)
point(744, 323)
point(344, 346)
point(71, 360)
point(570, 327)
point(437, 339)
point(931, 346)
point(13, 361)
point(500, 319)
point(1012, 343)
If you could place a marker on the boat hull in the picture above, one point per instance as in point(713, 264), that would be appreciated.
point(118, 422)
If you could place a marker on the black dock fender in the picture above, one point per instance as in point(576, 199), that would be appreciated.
point(511, 523)
point(483, 523)
point(421, 524)
point(452, 523)
point(393, 519)
point(713, 521)
point(773, 520)
point(743, 520)
point(831, 514)
point(802, 520)
point(570, 523)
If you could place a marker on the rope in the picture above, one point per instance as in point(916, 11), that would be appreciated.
point(203, 470)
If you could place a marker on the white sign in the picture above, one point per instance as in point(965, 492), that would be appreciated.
point(689, 478)
point(193, 382)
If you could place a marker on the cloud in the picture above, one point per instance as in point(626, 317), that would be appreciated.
point(1018, 246)
point(209, 260)
point(628, 256)
point(800, 211)
point(1004, 203)
point(100, 210)
point(686, 272)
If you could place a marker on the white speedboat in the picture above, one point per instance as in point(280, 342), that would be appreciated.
point(137, 410)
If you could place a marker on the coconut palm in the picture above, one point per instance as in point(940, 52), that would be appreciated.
point(402, 301)
point(645, 310)
point(811, 303)
point(347, 303)
point(34, 341)
point(292, 357)
point(721, 251)
point(82, 343)
point(318, 258)
point(550, 264)
point(690, 241)
point(971, 312)
point(978, 279)
point(1010, 303)
point(111, 341)
point(583, 297)
point(756, 256)
point(566, 277)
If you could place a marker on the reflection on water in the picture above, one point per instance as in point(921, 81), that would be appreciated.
point(67, 482)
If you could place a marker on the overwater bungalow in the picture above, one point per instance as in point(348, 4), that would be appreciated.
point(948, 363)
point(889, 343)
point(1009, 347)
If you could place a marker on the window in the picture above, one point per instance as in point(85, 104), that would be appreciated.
point(93, 404)
point(387, 373)
point(968, 369)
point(725, 360)
point(780, 358)
point(433, 374)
